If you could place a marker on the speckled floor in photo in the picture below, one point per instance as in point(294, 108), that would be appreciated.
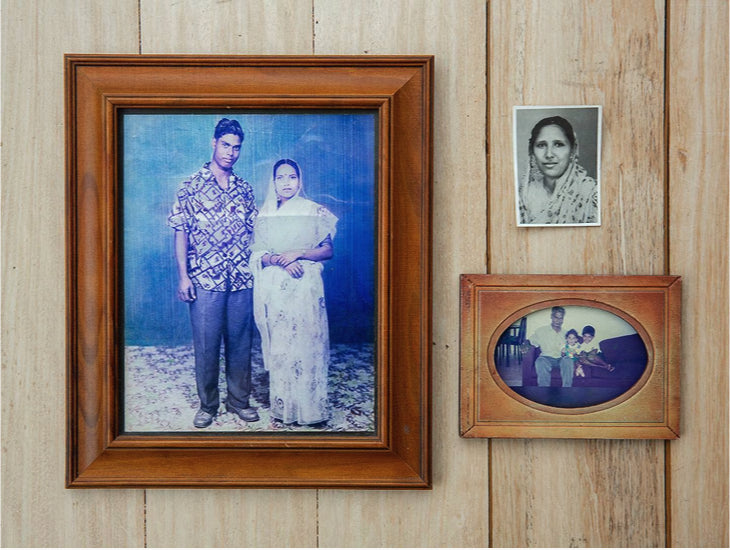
point(160, 394)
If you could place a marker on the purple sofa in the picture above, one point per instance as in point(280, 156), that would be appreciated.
point(627, 354)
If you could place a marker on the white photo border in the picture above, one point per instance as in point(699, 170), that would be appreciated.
point(519, 146)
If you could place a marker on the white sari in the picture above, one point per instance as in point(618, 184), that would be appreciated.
point(290, 312)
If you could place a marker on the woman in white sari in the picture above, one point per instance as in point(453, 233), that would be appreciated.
point(292, 237)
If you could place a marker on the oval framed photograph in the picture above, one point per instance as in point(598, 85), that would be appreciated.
point(570, 356)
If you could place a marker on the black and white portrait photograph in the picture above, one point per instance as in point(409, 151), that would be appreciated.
point(557, 159)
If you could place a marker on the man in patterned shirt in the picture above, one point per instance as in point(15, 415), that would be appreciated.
point(213, 217)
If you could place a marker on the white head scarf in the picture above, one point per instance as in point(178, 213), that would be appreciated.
point(306, 223)
point(271, 203)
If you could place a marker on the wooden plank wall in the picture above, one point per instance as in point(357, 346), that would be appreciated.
point(660, 70)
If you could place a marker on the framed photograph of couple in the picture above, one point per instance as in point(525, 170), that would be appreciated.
point(570, 356)
point(239, 313)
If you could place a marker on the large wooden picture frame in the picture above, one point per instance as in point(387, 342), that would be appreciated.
point(631, 389)
point(99, 89)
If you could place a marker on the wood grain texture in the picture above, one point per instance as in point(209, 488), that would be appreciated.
point(225, 27)
point(610, 54)
point(577, 494)
point(698, 178)
point(36, 509)
point(607, 53)
point(232, 518)
point(455, 512)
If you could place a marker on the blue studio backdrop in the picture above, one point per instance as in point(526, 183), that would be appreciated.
point(337, 154)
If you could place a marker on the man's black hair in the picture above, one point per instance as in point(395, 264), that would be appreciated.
point(227, 126)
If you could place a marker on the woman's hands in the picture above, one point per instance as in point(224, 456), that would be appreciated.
point(288, 261)
point(294, 269)
point(285, 258)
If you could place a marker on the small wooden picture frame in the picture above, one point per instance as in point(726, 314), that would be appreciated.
point(570, 356)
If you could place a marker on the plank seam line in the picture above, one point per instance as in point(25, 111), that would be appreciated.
point(667, 259)
point(139, 26)
point(487, 254)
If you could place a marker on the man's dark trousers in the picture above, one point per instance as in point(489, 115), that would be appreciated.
point(226, 316)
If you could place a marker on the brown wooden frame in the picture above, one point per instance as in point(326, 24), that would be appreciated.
point(490, 303)
point(400, 88)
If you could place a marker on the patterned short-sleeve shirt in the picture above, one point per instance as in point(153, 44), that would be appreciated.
point(219, 226)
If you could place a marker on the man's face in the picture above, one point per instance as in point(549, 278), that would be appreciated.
point(226, 150)
point(587, 338)
point(556, 320)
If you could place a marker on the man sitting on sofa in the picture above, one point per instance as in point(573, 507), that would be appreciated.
point(551, 341)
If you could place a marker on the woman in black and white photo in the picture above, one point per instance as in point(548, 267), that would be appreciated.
point(556, 188)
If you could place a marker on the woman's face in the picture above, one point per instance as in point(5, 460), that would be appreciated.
point(552, 151)
point(286, 182)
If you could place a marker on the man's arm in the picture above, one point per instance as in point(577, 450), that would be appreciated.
point(185, 289)
point(533, 341)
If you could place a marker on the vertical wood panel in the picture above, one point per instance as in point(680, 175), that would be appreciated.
point(575, 52)
point(254, 27)
point(36, 509)
point(230, 518)
point(455, 512)
point(578, 52)
point(577, 493)
point(698, 169)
